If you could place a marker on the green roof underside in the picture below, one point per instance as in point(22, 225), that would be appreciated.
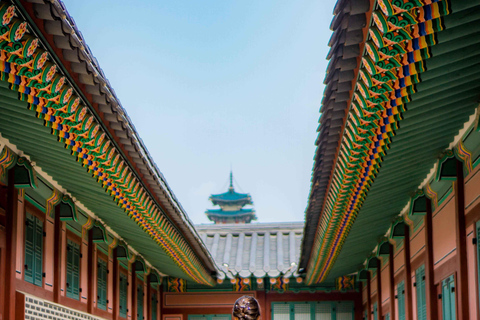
point(22, 128)
point(446, 97)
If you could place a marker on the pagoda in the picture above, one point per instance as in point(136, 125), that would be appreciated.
point(231, 207)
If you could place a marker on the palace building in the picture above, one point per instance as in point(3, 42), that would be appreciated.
point(90, 229)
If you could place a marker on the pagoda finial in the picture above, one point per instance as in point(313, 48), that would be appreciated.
point(231, 181)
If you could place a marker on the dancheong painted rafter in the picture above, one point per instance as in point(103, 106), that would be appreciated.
point(28, 67)
point(398, 49)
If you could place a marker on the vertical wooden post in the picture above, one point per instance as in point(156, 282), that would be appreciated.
point(149, 299)
point(369, 299)
point(430, 290)
point(461, 239)
point(115, 287)
point(379, 288)
point(57, 259)
point(391, 274)
point(91, 273)
point(134, 292)
point(359, 302)
point(408, 275)
point(11, 246)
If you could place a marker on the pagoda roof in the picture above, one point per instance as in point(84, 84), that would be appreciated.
point(231, 196)
point(220, 212)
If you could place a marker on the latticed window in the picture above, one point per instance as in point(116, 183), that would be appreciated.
point(154, 306)
point(421, 294)
point(73, 270)
point(321, 310)
point(33, 249)
point(123, 295)
point(140, 296)
point(401, 300)
point(448, 298)
point(102, 284)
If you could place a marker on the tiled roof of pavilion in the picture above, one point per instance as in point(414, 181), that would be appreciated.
point(79, 134)
point(257, 249)
point(401, 83)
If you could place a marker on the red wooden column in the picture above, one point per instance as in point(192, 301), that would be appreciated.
point(461, 239)
point(11, 246)
point(116, 289)
point(359, 302)
point(391, 275)
point(91, 272)
point(379, 288)
point(57, 259)
point(408, 275)
point(430, 290)
point(369, 299)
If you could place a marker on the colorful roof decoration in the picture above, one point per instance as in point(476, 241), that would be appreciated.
point(231, 206)
point(47, 67)
point(255, 250)
point(401, 82)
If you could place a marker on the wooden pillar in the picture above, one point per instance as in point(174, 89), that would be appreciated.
point(430, 290)
point(369, 299)
point(379, 288)
point(149, 300)
point(408, 275)
point(461, 239)
point(359, 302)
point(115, 286)
point(57, 259)
point(391, 274)
point(91, 272)
point(11, 246)
point(134, 292)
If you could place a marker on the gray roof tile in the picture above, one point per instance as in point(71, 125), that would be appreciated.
point(257, 249)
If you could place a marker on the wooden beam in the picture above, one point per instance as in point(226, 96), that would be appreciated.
point(11, 246)
point(115, 286)
point(461, 239)
point(57, 259)
point(430, 290)
point(379, 288)
point(408, 275)
point(391, 275)
point(369, 299)
point(91, 272)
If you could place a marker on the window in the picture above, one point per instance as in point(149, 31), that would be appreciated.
point(140, 295)
point(154, 306)
point(321, 310)
point(401, 300)
point(123, 295)
point(73, 269)
point(102, 284)
point(448, 298)
point(387, 316)
point(421, 294)
point(375, 311)
point(33, 249)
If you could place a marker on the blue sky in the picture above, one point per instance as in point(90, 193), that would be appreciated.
point(214, 84)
